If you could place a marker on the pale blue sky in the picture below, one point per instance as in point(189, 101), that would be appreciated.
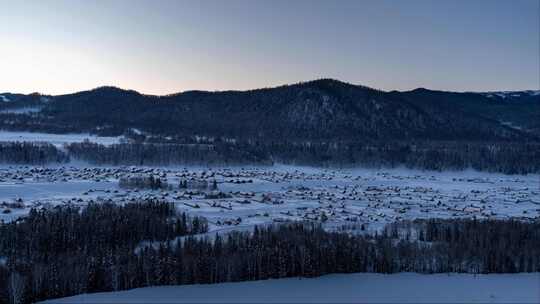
point(161, 47)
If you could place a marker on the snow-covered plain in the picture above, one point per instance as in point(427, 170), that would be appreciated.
point(23, 110)
point(56, 139)
point(343, 199)
point(340, 288)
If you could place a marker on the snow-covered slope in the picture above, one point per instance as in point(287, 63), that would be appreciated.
point(340, 288)
point(511, 94)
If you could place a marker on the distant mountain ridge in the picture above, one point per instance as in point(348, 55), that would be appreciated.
point(324, 110)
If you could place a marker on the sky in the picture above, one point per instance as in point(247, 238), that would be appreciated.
point(162, 47)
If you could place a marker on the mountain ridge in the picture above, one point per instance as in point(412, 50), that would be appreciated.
point(317, 110)
point(533, 92)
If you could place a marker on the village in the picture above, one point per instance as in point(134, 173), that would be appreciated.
point(239, 198)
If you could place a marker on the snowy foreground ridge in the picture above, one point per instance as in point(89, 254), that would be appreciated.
point(340, 288)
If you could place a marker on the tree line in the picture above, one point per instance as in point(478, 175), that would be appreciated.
point(163, 154)
point(509, 158)
point(506, 158)
point(519, 158)
point(68, 251)
point(30, 153)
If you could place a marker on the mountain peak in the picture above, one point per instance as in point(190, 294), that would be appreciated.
point(112, 89)
point(330, 83)
point(327, 81)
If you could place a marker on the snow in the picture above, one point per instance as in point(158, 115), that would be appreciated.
point(340, 288)
point(23, 110)
point(56, 139)
point(54, 190)
point(137, 131)
point(264, 195)
point(44, 99)
point(510, 125)
point(506, 94)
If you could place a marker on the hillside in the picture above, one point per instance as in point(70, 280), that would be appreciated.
point(320, 110)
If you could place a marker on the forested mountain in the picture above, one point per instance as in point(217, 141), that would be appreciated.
point(9, 99)
point(314, 111)
point(517, 110)
point(321, 122)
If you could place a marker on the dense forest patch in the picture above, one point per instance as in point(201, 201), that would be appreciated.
point(67, 250)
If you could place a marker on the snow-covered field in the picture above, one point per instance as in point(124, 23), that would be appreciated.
point(342, 199)
point(56, 139)
point(340, 288)
point(23, 110)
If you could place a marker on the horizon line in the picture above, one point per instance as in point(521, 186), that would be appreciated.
point(262, 88)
